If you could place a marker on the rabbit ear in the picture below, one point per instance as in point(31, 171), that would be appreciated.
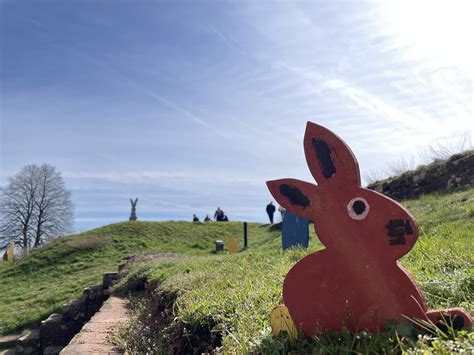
point(296, 196)
point(329, 159)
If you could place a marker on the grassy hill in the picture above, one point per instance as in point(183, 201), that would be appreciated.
point(206, 301)
point(35, 286)
point(197, 304)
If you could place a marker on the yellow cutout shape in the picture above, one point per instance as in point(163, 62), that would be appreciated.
point(10, 252)
point(232, 245)
point(280, 320)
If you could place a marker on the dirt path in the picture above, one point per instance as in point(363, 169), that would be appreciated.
point(92, 339)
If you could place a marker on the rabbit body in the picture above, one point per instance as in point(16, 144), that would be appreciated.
point(327, 289)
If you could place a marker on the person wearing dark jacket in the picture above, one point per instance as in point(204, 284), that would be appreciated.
point(270, 211)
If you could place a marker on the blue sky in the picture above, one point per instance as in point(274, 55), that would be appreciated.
point(190, 105)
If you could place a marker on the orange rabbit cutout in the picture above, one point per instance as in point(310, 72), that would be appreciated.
point(356, 282)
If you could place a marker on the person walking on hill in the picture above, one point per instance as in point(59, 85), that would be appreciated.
point(219, 215)
point(270, 211)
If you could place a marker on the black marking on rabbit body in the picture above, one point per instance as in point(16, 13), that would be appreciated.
point(294, 195)
point(457, 323)
point(397, 230)
point(323, 152)
point(398, 241)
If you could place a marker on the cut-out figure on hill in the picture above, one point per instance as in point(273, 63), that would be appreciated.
point(356, 281)
point(219, 215)
point(207, 219)
point(195, 218)
point(133, 214)
point(271, 211)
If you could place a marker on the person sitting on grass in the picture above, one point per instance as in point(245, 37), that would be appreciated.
point(195, 219)
point(207, 219)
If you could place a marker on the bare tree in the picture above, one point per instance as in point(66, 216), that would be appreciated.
point(16, 207)
point(375, 174)
point(53, 205)
point(401, 166)
point(444, 148)
point(34, 205)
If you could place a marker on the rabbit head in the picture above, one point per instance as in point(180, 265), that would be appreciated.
point(347, 218)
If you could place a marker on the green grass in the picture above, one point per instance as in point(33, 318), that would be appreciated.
point(38, 285)
point(206, 301)
point(196, 304)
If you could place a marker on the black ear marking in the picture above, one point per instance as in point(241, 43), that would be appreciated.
point(323, 153)
point(294, 195)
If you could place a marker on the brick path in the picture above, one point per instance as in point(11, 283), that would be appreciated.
point(92, 339)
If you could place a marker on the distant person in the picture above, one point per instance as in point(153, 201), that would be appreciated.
point(219, 215)
point(282, 212)
point(225, 218)
point(195, 218)
point(271, 211)
point(207, 219)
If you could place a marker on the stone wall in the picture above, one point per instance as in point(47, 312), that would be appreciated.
point(454, 173)
point(55, 332)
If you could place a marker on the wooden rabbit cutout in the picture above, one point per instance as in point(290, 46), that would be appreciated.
point(133, 213)
point(356, 281)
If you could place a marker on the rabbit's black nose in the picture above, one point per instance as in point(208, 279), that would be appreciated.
point(397, 229)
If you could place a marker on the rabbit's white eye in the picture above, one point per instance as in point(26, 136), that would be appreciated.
point(358, 208)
